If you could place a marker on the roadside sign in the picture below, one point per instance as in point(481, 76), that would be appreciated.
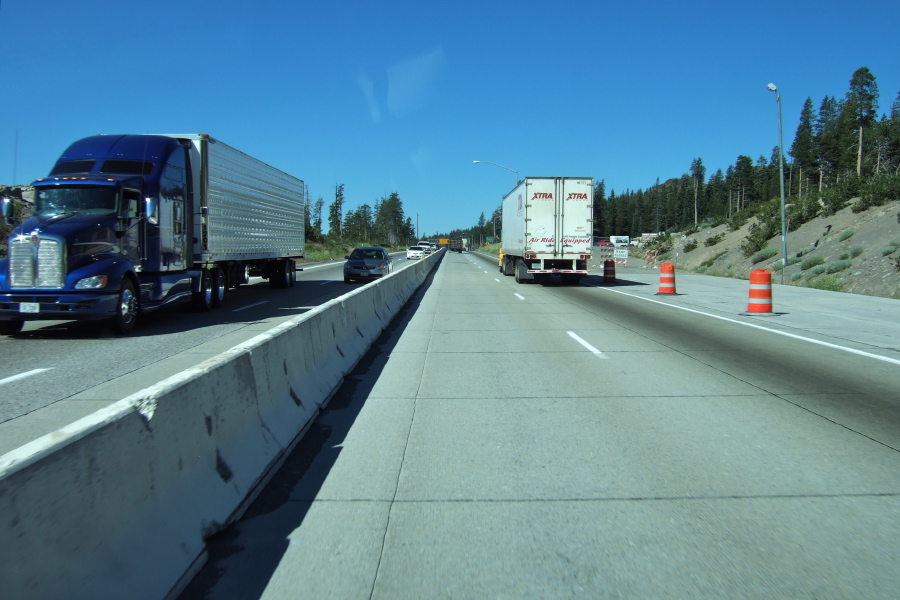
point(620, 253)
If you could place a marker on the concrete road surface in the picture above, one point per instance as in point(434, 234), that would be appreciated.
point(527, 441)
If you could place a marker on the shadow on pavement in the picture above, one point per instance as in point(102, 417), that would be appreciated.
point(243, 557)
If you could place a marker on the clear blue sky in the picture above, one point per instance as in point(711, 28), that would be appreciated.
point(403, 97)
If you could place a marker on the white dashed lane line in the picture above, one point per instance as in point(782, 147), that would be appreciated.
point(22, 376)
point(593, 350)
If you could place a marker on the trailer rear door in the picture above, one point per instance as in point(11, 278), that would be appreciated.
point(541, 198)
point(576, 208)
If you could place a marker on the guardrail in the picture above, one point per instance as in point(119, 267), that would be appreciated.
point(119, 503)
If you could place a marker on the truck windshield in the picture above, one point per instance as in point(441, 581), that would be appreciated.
point(99, 200)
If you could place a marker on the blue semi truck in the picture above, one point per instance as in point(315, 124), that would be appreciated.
point(127, 224)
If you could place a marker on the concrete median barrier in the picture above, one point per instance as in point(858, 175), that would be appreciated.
point(119, 504)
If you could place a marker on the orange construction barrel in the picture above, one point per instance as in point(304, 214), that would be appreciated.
point(760, 292)
point(609, 271)
point(666, 278)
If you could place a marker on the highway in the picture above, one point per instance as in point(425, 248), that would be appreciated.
point(592, 441)
point(56, 372)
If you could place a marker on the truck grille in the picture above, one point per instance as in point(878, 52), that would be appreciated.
point(36, 269)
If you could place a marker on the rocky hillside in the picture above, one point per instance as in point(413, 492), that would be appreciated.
point(850, 252)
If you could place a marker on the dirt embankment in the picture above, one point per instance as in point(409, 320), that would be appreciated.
point(851, 252)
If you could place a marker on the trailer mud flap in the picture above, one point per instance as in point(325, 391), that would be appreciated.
point(522, 274)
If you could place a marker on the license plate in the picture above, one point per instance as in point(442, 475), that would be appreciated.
point(29, 307)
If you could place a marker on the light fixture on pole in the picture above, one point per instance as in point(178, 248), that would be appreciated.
point(784, 259)
point(499, 165)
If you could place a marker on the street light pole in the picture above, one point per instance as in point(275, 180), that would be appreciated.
point(784, 259)
point(499, 165)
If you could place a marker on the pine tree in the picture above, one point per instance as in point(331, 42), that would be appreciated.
point(861, 106)
point(599, 202)
point(803, 150)
point(743, 175)
point(698, 173)
point(336, 213)
point(317, 217)
point(890, 136)
point(390, 227)
point(828, 147)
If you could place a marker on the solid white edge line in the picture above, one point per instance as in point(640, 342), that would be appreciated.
point(586, 345)
point(755, 326)
point(22, 375)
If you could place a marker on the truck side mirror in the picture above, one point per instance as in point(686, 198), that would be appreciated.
point(7, 210)
point(130, 210)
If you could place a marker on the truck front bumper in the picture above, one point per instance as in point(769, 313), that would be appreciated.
point(56, 306)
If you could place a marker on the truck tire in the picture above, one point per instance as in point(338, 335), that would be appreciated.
point(219, 287)
point(126, 309)
point(11, 327)
point(280, 276)
point(240, 275)
point(204, 294)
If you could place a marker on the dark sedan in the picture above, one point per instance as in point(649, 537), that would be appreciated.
point(367, 262)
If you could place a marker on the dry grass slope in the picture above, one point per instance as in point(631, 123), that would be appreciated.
point(857, 253)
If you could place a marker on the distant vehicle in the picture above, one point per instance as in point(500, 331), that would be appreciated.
point(415, 252)
point(367, 262)
point(456, 245)
point(126, 224)
point(547, 229)
point(620, 241)
point(426, 246)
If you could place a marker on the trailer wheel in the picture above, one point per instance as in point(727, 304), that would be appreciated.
point(203, 297)
point(219, 287)
point(11, 327)
point(240, 275)
point(292, 272)
point(126, 309)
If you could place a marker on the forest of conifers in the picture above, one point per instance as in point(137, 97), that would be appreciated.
point(840, 151)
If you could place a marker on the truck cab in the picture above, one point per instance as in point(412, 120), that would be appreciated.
point(111, 209)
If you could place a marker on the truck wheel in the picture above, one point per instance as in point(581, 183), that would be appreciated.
point(126, 309)
point(204, 295)
point(219, 287)
point(240, 275)
point(281, 277)
point(11, 327)
point(292, 272)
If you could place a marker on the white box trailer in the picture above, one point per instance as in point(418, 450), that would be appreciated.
point(547, 224)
